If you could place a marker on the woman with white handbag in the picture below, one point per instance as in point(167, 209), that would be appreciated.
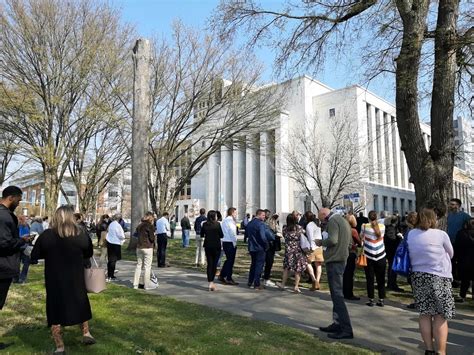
point(64, 248)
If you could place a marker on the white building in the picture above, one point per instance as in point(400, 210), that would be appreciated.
point(249, 178)
point(464, 142)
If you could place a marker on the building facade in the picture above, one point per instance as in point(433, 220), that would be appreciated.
point(251, 173)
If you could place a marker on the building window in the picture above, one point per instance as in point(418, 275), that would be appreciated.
point(402, 206)
point(394, 204)
point(113, 193)
point(185, 208)
point(410, 205)
point(376, 202)
point(70, 193)
point(332, 112)
point(385, 203)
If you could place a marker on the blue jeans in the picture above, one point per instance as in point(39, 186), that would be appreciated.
point(340, 314)
point(25, 260)
point(256, 267)
point(230, 251)
point(185, 237)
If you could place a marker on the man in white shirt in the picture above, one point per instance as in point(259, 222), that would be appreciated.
point(229, 244)
point(162, 230)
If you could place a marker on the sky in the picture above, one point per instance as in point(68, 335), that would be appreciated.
point(156, 16)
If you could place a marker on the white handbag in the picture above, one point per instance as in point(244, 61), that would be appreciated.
point(95, 278)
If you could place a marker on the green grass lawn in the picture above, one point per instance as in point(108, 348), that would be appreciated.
point(185, 258)
point(128, 321)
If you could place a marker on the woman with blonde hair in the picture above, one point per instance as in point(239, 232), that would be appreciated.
point(430, 253)
point(348, 277)
point(64, 247)
point(372, 234)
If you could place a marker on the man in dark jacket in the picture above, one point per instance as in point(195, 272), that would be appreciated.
point(10, 242)
point(185, 230)
point(257, 246)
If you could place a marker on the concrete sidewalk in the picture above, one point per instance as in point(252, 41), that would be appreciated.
point(391, 330)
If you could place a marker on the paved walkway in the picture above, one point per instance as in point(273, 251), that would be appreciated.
point(391, 330)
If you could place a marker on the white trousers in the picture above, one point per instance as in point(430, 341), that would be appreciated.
point(200, 255)
point(144, 260)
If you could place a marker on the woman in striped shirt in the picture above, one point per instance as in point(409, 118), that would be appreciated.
point(372, 235)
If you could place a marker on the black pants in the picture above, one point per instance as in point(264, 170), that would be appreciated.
point(114, 253)
point(161, 250)
point(348, 277)
point(212, 255)
point(269, 259)
point(376, 268)
point(465, 283)
point(391, 246)
point(4, 287)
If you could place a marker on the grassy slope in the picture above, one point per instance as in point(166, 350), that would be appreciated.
point(129, 321)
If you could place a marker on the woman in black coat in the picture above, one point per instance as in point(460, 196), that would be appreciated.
point(464, 253)
point(64, 248)
point(212, 233)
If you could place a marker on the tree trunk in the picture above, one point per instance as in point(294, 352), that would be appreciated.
point(51, 190)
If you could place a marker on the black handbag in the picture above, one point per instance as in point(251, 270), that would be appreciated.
point(277, 243)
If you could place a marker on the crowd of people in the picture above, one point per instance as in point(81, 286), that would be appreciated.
point(309, 240)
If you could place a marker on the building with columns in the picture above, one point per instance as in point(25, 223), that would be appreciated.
point(250, 173)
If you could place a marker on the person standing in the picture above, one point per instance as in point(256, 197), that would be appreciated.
point(294, 259)
point(115, 238)
point(456, 220)
point(146, 242)
point(372, 235)
point(10, 242)
point(272, 233)
point(348, 277)
point(430, 252)
point(337, 246)
point(229, 244)
point(199, 242)
point(257, 247)
point(315, 253)
point(162, 229)
point(185, 230)
point(212, 234)
point(392, 238)
point(464, 251)
point(172, 226)
point(64, 248)
point(23, 231)
point(37, 226)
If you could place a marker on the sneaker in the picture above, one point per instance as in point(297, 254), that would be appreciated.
point(380, 303)
point(152, 287)
point(111, 279)
point(371, 303)
point(269, 283)
point(333, 328)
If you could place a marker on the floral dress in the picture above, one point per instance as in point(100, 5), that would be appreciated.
point(295, 259)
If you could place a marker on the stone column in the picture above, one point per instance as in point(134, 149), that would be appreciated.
point(226, 180)
point(282, 203)
point(264, 141)
point(140, 128)
point(381, 148)
point(252, 174)
point(239, 179)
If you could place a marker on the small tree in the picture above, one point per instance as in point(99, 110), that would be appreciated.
point(325, 162)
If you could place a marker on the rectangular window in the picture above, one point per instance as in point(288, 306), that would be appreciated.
point(410, 205)
point(332, 112)
point(113, 193)
point(376, 202)
point(70, 193)
point(185, 208)
point(385, 203)
point(394, 204)
point(402, 206)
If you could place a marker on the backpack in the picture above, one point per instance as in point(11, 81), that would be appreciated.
point(401, 262)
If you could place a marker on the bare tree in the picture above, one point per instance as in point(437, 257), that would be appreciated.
point(51, 56)
point(324, 162)
point(412, 38)
point(205, 95)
